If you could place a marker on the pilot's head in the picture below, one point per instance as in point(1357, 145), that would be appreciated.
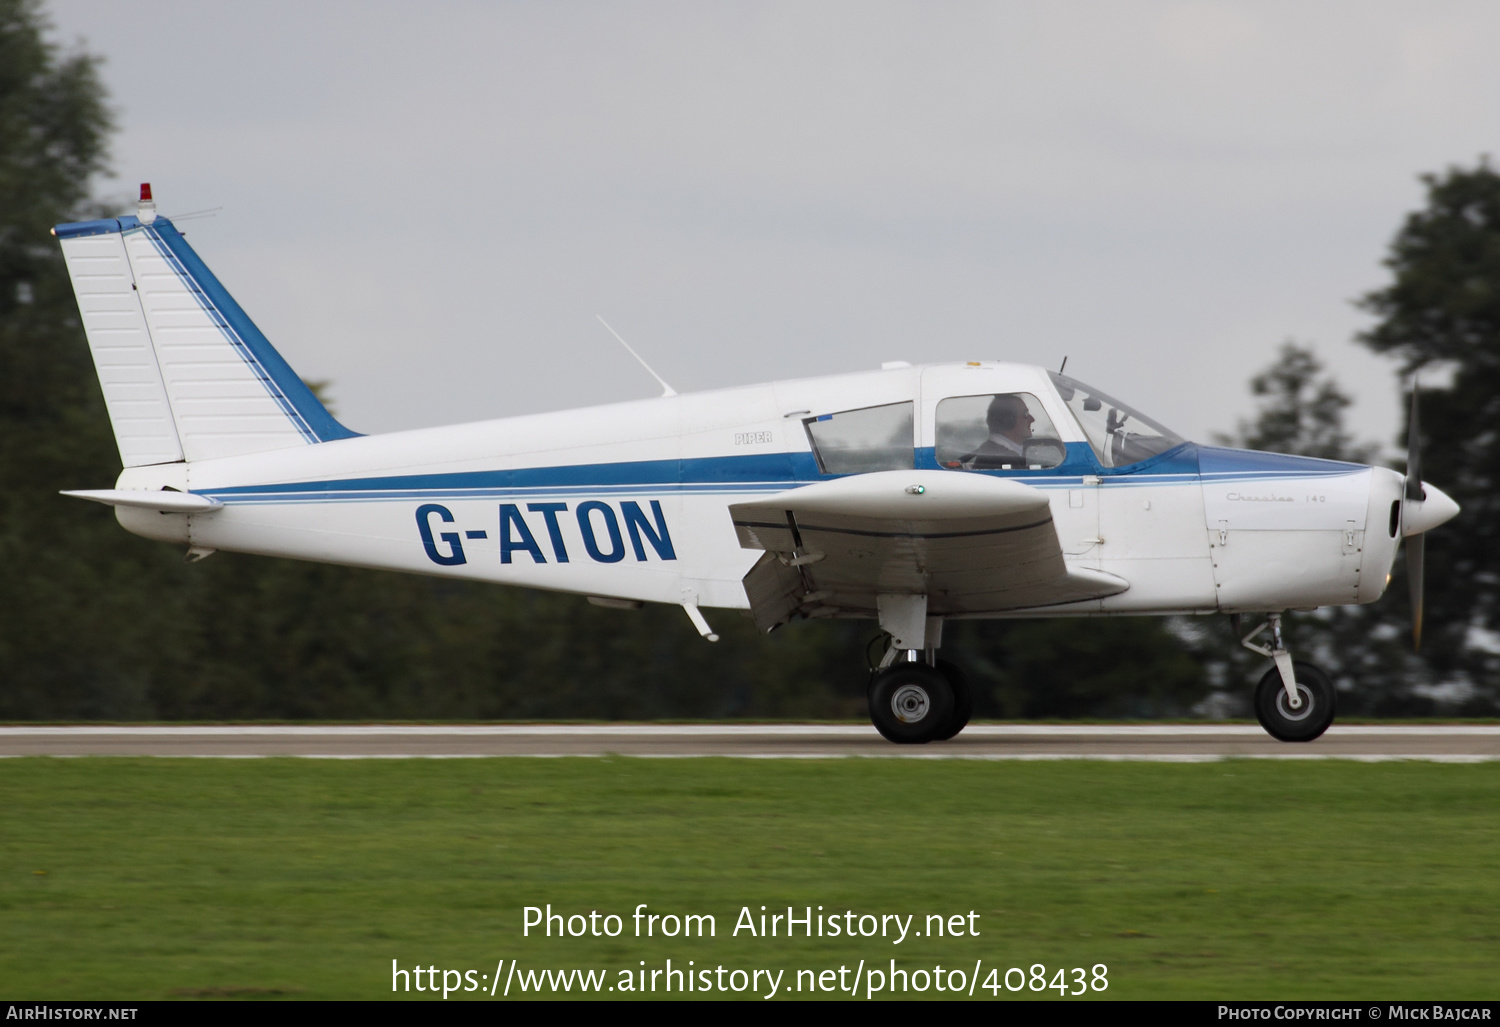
point(1008, 416)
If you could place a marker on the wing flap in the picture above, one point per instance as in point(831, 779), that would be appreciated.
point(775, 591)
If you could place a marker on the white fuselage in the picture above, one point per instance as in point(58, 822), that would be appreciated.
point(631, 500)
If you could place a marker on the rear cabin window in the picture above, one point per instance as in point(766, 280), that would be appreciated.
point(863, 440)
point(1001, 431)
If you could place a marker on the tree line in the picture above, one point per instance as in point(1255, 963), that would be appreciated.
point(98, 624)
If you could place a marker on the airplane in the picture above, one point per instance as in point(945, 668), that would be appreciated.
point(910, 495)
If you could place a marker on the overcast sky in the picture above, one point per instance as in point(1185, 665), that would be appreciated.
point(428, 203)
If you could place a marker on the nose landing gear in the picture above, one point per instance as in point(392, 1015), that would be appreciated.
point(1294, 701)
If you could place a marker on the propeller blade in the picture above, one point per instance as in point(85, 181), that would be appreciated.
point(1416, 545)
point(1416, 549)
point(1413, 451)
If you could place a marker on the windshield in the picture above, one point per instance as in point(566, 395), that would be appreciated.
point(1119, 434)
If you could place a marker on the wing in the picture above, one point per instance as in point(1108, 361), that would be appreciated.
point(971, 543)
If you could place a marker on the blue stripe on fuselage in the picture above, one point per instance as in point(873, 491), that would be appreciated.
point(749, 473)
point(764, 473)
point(1219, 463)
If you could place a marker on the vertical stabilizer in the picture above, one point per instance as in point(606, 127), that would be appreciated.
point(186, 374)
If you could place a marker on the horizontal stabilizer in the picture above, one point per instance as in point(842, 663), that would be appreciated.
point(165, 501)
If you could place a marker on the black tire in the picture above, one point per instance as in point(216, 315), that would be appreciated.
point(910, 703)
point(963, 701)
point(1280, 720)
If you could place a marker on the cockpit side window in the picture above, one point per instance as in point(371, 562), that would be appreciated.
point(1120, 435)
point(863, 440)
point(1004, 431)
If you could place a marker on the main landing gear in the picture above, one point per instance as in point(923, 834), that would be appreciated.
point(914, 696)
point(1294, 700)
point(912, 701)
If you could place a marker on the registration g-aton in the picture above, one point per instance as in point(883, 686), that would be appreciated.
point(912, 496)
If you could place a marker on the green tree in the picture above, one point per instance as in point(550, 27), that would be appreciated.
point(1442, 307)
point(96, 623)
point(1300, 413)
point(1135, 667)
point(53, 433)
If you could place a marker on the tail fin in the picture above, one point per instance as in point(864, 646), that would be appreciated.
point(186, 374)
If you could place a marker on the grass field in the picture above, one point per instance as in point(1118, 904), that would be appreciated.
point(159, 878)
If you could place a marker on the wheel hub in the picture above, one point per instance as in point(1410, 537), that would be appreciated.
point(1304, 707)
point(910, 704)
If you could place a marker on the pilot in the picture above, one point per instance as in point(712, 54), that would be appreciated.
point(1010, 426)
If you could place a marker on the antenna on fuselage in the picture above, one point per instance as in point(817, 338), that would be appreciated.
point(667, 390)
point(1064, 367)
point(208, 212)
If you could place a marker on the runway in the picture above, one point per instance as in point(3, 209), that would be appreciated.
point(1160, 743)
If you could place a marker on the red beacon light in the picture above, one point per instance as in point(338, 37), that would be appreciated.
point(145, 210)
